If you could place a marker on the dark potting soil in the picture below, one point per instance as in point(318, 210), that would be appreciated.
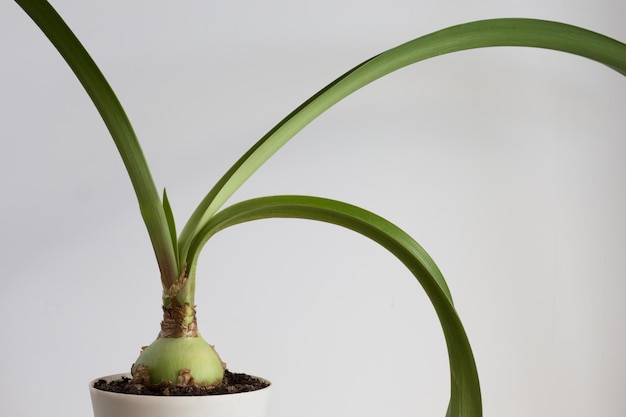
point(231, 384)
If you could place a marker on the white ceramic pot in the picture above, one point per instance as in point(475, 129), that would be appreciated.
point(109, 404)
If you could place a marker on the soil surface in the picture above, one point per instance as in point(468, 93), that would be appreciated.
point(232, 383)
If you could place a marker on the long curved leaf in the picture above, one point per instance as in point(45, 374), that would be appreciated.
point(111, 111)
point(480, 34)
point(465, 399)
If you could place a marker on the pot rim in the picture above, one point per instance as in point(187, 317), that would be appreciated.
point(113, 377)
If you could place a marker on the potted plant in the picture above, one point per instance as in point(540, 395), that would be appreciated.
point(180, 357)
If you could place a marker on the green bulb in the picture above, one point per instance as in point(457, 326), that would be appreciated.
point(174, 360)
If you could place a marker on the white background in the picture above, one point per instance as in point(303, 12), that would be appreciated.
point(507, 165)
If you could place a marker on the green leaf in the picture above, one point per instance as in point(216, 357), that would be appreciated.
point(169, 216)
point(114, 117)
point(465, 398)
point(487, 33)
